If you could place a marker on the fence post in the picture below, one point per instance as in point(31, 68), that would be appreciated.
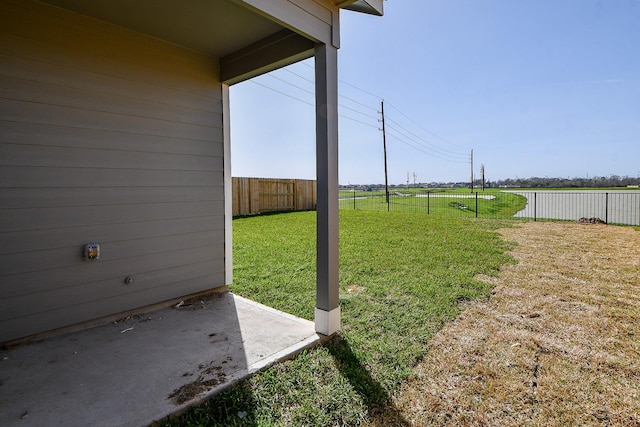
point(354, 200)
point(606, 208)
point(535, 197)
point(428, 201)
point(476, 204)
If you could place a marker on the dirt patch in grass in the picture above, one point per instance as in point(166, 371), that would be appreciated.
point(557, 343)
point(354, 289)
point(210, 376)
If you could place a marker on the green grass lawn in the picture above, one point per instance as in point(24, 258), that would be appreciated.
point(402, 276)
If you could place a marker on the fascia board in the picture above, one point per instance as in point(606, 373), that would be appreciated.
point(372, 7)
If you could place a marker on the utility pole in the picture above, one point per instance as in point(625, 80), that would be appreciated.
point(482, 175)
point(384, 144)
point(471, 171)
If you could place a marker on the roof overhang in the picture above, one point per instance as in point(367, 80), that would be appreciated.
point(249, 37)
point(372, 7)
point(213, 27)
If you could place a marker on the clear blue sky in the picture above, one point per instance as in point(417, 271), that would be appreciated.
point(535, 88)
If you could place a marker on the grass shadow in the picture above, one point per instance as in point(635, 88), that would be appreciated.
point(233, 406)
point(380, 407)
point(270, 213)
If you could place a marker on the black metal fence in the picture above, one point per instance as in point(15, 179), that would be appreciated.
point(613, 207)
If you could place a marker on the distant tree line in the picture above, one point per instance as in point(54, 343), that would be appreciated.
point(537, 182)
point(533, 182)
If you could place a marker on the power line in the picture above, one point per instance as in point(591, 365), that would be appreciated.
point(360, 89)
point(384, 142)
point(425, 143)
point(392, 106)
point(291, 84)
point(340, 95)
point(359, 112)
point(311, 104)
point(358, 121)
point(392, 135)
point(359, 103)
point(425, 147)
point(435, 147)
point(430, 145)
point(296, 74)
point(425, 129)
point(313, 93)
point(349, 84)
point(282, 93)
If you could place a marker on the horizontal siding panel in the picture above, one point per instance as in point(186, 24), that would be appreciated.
point(24, 68)
point(16, 111)
point(24, 305)
point(64, 267)
point(59, 95)
point(135, 71)
point(53, 135)
point(107, 136)
point(117, 51)
point(25, 177)
point(26, 241)
point(41, 218)
point(20, 198)
point(64, 157)
point(28, 325)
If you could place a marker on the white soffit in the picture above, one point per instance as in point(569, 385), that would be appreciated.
point(213, 27)
point(372, 7)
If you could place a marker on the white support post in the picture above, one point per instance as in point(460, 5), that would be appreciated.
point(327, 314)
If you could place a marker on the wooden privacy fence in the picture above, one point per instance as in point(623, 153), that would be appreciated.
point(252, 196)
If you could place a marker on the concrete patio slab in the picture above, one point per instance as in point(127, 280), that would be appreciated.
point(143, 368)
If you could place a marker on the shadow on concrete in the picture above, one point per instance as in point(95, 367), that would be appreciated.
point(143, 368)
point(380, 406)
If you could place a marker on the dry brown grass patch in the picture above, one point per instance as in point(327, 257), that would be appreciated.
point(558, 342)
